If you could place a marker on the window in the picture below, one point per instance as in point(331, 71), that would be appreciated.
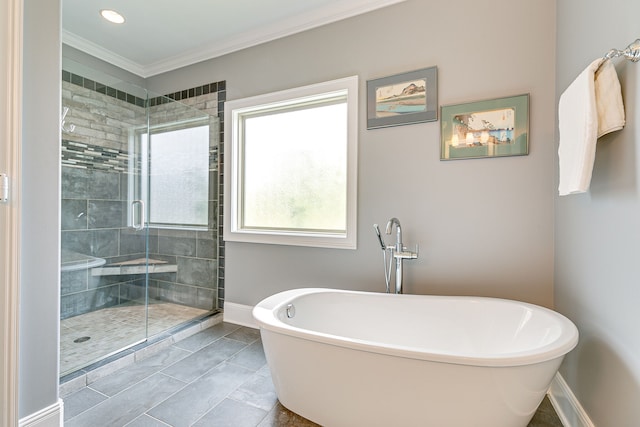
point(291, 167)
point(176, 162)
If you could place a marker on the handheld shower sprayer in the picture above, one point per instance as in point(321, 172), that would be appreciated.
point(382, 245)
point(387, 268)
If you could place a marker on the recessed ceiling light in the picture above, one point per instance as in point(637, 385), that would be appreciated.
point(112, 16)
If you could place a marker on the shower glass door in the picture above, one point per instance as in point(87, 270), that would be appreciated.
point(136, 216)
point(177, 182)
point(104, 237)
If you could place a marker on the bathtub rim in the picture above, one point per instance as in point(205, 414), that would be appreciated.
point(265, 315)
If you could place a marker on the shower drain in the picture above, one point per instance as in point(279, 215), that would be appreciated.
point(81, 339)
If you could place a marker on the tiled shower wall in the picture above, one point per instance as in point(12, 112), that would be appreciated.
point(94, 200)
point(210, 99)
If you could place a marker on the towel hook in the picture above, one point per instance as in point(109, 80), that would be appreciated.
point(632, 52)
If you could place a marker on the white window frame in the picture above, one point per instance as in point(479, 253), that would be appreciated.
point(234, 110)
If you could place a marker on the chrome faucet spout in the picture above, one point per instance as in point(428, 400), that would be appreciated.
point(396, 221)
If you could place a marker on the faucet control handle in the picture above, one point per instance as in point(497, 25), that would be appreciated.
point(405, 254)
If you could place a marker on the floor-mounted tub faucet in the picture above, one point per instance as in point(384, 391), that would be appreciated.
point(397, 252)
point(396, 221)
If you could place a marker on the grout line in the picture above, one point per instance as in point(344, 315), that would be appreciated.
point(97, 391)
point(153, 418)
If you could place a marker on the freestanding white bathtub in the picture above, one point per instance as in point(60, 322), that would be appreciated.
point(346, 358)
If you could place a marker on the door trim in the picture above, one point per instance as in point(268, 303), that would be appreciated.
point(10, 148)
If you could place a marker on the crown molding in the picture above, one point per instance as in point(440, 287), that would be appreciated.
point(99, 52)
point(333, 13)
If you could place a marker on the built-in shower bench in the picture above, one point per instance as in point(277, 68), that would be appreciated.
point(135, 266)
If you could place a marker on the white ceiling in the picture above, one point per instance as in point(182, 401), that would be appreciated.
point(162, 35)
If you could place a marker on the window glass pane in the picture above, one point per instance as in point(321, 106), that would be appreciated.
point(179, 177)
point(291, 166)
point(295, 169)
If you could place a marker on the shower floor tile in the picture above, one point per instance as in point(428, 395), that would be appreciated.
point(111, 329)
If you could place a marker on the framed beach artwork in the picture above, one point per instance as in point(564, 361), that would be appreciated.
point(403, 99)
point(490, 128)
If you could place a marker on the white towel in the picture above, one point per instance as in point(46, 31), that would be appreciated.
point(589, 108)
point(608, 99)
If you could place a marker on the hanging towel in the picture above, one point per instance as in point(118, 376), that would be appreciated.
point(590, 107)
point(608, 99)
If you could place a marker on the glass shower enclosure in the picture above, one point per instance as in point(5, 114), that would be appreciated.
point(138, 215)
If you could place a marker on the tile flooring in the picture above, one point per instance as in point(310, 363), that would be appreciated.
point(217, 377)
point(111, 329)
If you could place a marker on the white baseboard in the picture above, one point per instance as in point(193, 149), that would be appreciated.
point(51, 416)
point(239, 314)
point(568, 408)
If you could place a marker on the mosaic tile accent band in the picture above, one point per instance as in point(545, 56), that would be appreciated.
point(87, 156)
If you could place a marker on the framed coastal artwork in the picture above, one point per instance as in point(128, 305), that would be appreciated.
point(403, 99)
point(491, 128)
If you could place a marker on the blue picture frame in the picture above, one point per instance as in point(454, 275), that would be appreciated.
point(403, 99)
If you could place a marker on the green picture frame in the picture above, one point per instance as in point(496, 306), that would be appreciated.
point(483, 129)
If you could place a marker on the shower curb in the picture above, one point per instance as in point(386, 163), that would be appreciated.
point(75, 381)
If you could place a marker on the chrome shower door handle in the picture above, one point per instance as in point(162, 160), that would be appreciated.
point(139, 204)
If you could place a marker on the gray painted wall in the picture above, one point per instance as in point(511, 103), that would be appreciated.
point(40, 262)
point(86, 65)
point(597, 234)
point(485, 227)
